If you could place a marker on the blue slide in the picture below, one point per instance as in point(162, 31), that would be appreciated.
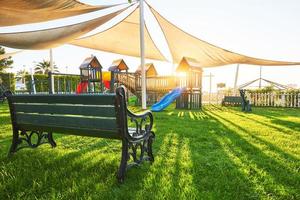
point(167, 100)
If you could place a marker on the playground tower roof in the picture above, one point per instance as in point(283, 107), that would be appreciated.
point(118, 65)
point(187, 64)
point(90, 61)
point(150, 70)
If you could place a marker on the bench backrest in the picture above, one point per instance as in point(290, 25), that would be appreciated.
point(232, 99)
point(95, 115)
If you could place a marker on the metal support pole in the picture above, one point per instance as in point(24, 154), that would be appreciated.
point(52, 71)
point(260, 69)
point(236, 78)
point(142, 54)
point(174, 68)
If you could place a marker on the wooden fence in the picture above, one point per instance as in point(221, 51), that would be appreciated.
point(289, 100)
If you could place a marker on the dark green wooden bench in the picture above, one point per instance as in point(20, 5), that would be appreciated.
point(92, 115)
point(232, 101)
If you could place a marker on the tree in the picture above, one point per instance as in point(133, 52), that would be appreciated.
point(44, 68)
point(20, 75)
point(6, 62)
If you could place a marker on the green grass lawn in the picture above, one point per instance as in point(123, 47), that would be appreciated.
point(216, 153)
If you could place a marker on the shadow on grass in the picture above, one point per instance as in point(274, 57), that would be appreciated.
point(277, 128)
point(191, 164)
point(284, 178)
point(288, 124)
point(276, 115)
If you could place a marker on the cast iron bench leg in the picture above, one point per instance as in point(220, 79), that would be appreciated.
point(124, 159)
point(23, 136)
point(15, 142)
point(51, 140)
point(150, 141)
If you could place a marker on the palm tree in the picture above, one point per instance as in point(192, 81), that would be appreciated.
point(20, 75)
point(44, 68)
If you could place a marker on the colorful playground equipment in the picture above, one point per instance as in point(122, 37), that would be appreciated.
point(167, 100)
point(189, 77)
point(82, 87)
point(160, 89)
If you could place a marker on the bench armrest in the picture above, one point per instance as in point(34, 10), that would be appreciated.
point(142, 127)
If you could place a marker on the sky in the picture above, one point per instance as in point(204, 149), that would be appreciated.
point(266, 29)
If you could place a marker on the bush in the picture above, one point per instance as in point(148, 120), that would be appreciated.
point(8, 81)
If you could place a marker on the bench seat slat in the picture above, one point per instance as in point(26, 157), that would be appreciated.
point(97, 99)
point(111, 134)
point(103, 111)
point(66, 121)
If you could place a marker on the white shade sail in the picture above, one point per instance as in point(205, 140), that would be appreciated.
point(182, 44)
point(7, 55)
point(123, 38)
point(49, 38)
point(16, 12)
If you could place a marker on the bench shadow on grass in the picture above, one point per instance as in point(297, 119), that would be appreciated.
point(278, 172)
point(68, 174)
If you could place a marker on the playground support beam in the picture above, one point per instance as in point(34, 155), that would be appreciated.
point(236, 78)
point(210, 86)
point(142, 54)
point(260, 73)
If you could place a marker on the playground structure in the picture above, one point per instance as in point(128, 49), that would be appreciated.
point(117, 70)
point(188, 76)
point(192, 81)
point(93, 80)
point(91, 76)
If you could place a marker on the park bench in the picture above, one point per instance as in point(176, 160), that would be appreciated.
point(232, 101)
point(36, 117)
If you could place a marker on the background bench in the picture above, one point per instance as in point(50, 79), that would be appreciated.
point(232, 101)
point(96, 115)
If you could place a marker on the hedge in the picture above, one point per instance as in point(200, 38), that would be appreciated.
point(62, 83)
